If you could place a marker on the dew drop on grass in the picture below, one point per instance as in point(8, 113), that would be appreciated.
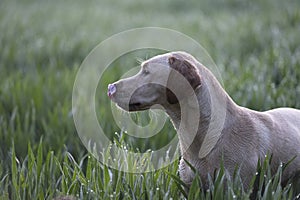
point(157, 189)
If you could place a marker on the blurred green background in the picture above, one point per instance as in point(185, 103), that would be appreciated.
point(255, 44)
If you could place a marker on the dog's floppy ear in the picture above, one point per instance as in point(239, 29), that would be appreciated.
point(188, 71)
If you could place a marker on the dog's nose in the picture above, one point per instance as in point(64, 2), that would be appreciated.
point(111, 89)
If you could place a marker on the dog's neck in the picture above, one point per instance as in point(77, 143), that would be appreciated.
point(213, 105)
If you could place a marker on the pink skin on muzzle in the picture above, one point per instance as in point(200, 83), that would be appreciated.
point(111, 90)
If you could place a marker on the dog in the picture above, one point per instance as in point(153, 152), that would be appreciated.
point(239, 136)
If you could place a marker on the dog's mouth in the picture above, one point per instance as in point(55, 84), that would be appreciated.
point(137, 106)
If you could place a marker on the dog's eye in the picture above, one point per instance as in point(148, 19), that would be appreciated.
point(145, 71)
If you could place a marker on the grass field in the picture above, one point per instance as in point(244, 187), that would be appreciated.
point(255, 44)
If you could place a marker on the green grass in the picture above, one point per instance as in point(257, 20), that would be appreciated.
point(256, 46)
point(38, 177)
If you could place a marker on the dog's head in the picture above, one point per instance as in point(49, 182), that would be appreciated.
point(164, 79)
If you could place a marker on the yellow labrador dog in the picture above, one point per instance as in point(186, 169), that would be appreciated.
point(240, 136)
